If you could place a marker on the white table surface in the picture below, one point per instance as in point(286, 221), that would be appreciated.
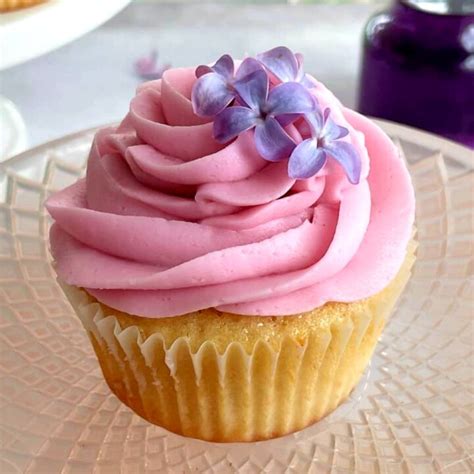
point(90, 81)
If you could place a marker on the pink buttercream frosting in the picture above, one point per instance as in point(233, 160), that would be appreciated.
point(169, 221)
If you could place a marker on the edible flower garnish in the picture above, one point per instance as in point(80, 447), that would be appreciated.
point(284, 65)
point(260, 111)
point(267, 93)
point(214, 90)
point(148, 68)
point(311, 154)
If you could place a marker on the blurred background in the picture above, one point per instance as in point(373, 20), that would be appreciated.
point(89, 81)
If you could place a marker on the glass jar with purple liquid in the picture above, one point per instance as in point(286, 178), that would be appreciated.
point(418, 67)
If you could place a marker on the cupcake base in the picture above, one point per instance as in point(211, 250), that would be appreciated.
point(228, 378)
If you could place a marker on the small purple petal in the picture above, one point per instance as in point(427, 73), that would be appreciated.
point(345, 154)
point(148, 67)
point(146, 63)
point(203, 69)
point(210, 95)
point(156, 73)
point(253, 89)
point(332, 131)
point(326, 114)
point(224, 66)
point(290, 98)
point(247, 66)
point(281, 62)
point(315, 122)
point(233, 121)
point(306, 160)
point(271, 140)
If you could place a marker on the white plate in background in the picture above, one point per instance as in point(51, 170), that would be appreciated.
point(30, 32)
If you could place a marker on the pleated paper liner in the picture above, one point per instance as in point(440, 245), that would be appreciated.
point(237, 395)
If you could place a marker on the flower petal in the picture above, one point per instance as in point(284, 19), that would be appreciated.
point(332, 131)
point(233, 121)
point(303, 78)
point(347, 156)
point(210, 95)
point(315, 121)
point(326, 113)
point(281, 62)
point(253, 89)
point(247, 66)
point(290, 98)
point(203, 69)
point(306, 160)
point(146, 64)
point(224, 66)
point(271, 140)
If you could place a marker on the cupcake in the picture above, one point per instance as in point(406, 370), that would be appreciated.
point(10, 5)
point(235, 248)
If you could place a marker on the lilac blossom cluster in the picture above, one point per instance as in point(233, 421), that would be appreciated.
point(266, 94)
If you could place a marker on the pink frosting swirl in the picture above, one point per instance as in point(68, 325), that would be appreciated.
point(168, 221)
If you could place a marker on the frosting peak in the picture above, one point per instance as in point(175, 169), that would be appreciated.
point(169, 221)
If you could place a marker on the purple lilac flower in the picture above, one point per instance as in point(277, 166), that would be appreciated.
point(260, 110)
point(147, 67)
point(311, 154)
point(214, 90)
point(285, 66)
point(266, 94)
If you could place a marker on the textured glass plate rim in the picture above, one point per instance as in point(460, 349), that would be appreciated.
point(25, 166)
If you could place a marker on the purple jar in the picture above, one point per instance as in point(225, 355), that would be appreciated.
point(418, 67)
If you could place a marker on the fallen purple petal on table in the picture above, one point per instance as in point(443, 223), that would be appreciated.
point(148, 67)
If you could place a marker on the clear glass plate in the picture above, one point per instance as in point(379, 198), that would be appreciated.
point(412, 413)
